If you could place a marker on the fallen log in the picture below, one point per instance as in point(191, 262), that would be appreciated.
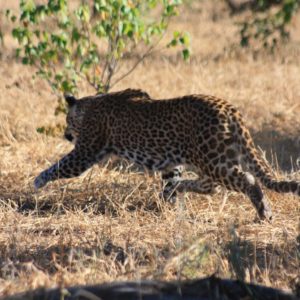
point(210, 288)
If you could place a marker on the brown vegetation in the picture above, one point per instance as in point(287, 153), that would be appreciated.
point(110, 224)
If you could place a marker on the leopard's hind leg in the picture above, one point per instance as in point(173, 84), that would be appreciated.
point(174, 183)
point(236, 179)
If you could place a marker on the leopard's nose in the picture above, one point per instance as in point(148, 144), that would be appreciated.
point(69, 137)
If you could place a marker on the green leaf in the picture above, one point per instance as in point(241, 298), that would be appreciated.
point(244, 41)
point(41, 129)
point(75, 35)
point(28, 5)
point(185, 39)
point(186, 54)
point(58, 77)
point(25, 60)
point(173, 43)
point(67, 86)
point(176, 34)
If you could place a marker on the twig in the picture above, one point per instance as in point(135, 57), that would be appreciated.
point(146, 54)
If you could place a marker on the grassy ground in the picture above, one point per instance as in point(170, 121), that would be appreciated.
point(109, 224)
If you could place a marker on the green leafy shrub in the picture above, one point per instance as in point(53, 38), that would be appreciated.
point(268, 24)
point(87, 43)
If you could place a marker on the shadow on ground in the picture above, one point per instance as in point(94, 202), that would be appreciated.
point(51, 259)
point(250, 261)
point(96, 200)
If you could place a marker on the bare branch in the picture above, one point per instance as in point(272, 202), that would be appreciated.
point(146, 54)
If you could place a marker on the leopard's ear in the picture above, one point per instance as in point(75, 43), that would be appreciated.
point(71, 100)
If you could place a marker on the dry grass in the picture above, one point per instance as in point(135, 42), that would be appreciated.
point(59, 235)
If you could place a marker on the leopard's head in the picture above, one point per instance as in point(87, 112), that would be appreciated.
point(74, 119)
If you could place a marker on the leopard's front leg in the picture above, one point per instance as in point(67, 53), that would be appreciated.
point(71, 165)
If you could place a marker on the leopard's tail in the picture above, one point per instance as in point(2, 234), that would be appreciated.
point(261, 168)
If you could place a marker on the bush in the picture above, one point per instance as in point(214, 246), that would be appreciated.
point(88, 43)
point(268, 23)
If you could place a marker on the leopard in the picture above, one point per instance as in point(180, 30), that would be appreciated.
point(201, 132)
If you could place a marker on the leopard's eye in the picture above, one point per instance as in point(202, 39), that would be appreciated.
point(69, 137)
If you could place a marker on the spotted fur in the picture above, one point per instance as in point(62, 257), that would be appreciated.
point(198, 131)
